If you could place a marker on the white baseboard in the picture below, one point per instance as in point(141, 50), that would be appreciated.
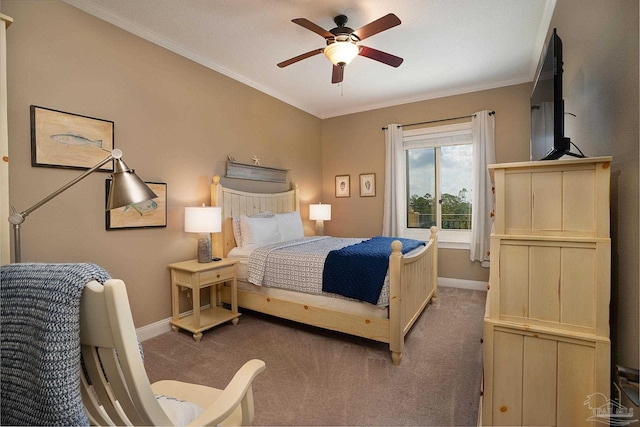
point(476, 285)
point(162, 326)
point(154, 329)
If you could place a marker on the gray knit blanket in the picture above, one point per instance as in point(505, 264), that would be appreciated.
point(40, 342)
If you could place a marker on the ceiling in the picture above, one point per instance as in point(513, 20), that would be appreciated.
point(449, 46)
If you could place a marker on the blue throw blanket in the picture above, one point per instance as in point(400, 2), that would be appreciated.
point(358, 271)
point(40, 342)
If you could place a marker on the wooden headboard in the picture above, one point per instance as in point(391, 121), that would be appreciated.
point(236, 203)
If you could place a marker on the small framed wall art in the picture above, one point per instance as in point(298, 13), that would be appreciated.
point(72, 141)
point(367, 185)
point(343, 186)
point(152, 213)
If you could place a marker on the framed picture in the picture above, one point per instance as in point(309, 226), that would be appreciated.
point(152, 213)
point(343, 186)
point(65, 140)
point(367, 185)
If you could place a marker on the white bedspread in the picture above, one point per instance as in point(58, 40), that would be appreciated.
point(298, 265)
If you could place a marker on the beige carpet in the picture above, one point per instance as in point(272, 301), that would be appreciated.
point(318, 377)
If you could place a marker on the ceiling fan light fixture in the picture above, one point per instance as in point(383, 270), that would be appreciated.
point(342, 44)
point(341, 53)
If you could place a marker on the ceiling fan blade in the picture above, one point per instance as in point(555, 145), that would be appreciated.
point(337, 75)
point(299, 58)
point(313, 27)
point(377, 26)
point(378, 55)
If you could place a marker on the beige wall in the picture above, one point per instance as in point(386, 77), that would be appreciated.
point(354, 144)
point(175, 121)
point(600, 41)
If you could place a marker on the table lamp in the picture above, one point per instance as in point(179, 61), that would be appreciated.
point(320, 213)
point(203, 220)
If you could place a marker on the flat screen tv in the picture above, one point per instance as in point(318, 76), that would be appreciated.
point(547, 106)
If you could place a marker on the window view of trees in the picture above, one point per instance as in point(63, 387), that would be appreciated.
point(439, 181)
point(456, 211)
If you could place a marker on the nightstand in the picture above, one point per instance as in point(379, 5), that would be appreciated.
point(196, 276)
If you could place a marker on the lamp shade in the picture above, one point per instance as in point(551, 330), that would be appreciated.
point(340, 53)
point(320, 212)
point(204, 219)
point(126, 188)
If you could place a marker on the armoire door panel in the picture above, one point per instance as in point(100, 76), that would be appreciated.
point(507, 380)
point(578, 291)
point(544, 283)
point(517, 202)
point(539, 382)
point(514, 280)
point(546, 193)
point(578, 213)
point(576, 367)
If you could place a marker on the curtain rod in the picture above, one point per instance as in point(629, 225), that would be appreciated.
point(491, 113)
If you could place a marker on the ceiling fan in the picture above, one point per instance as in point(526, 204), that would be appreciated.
point(343, 43)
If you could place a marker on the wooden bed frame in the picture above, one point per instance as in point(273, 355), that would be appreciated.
point(413, 279)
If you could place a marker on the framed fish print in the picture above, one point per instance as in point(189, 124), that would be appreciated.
point(71, 141)
point(151, 213)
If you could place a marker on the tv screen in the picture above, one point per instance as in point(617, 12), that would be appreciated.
point(547, 105)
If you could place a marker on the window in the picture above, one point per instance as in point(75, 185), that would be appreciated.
point(439, 183)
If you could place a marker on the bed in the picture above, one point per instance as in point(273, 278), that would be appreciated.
point(412, 279)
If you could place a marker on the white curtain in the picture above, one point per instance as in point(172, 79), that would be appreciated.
point(484, 153)
point(394, 182)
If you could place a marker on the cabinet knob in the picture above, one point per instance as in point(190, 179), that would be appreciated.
point(218, 275)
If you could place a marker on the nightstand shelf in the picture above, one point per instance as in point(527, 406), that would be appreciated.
point(197, 276)
point(209, 317)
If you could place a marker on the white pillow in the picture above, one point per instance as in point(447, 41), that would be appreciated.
point(290, 226)
point(180, 412)
point(259, 231)
point(237, 232)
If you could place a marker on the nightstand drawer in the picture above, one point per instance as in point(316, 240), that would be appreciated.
point(219, 274)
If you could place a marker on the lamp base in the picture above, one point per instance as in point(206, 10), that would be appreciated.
point(319, 227)
point(204, 247)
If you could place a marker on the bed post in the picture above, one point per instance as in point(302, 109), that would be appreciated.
point(396, 328)
point(296, 196)
point(217, 239)
point(434, 267)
